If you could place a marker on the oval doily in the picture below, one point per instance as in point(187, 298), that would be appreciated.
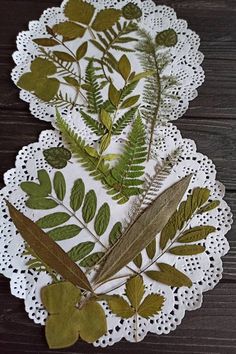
point(185, 64)
point(205, 270)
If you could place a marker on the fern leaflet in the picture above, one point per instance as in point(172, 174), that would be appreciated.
point(93, 124)
point(92, 88)
point(123, 121)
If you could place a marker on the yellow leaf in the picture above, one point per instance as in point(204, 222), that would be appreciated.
point(120, 307)
point(135, 291)
point(124, 67)
point(106, 119)
point(69, 30)
point(79, 11)
point(105, 19)
point(151, 305)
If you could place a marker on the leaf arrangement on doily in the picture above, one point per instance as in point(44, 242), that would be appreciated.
point(112, 225)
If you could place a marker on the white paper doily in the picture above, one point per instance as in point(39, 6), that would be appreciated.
point(185, 57)
point(205, 270)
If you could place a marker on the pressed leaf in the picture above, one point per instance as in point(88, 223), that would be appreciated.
point(64, 56)
point(123, 121)
point(142, 75)
point(138, 260)
point(93, 124)
point(102, 219)
point(135, 291)
point(106, 119)
point(144, 230)
point(115, 233)
point(48, 250)
point(120, 307)
point(59, 185)
point(52, 220)
point(77, 195)
point(33, 189)
point(80, 251)
point(196, 234)
point(91, 151)
point(151, 249)
point(27, 82)
point(45, 42)
point(92, 259)
point(131, 11)
point(81, 51)
point(210, 206)
point(46, 88)
point(169, 275)
point(92, 322)
point(187, 250)
point(90, 206)
point(167, 38)
point(114, 95)
point(131, 101)
point(124, 67)
point(57, 157)
point(64, 232)
point(70, 80)
point(45, 181)
point(151, 305)
point(105, 142)
point(41, 203)
point(79, 11)
point(43, 67)
point(105, 19)
point(69, 29)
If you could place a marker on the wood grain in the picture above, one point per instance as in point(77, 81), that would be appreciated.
point(210, 121)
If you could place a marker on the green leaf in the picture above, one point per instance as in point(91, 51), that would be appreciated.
point(91, 151)
point(105, 19)
point(142, 75)
point(120, 307)
point(45, 89)
point(151, 305)
point(33, 189)
point(69, 30)
point(102, 219)
point(167, 38)
point(131, 11)
point(71, 81)
point(64, 56)
point(27, 82)
point(169, 275)
point(45, 181)
point(105, 142)
point(47, 250)
point(135, 291)
point(151, 249)
point(94, 125)
point(187, 250)
point(114, 95)
point(92, 322)
point(57, 157)
point(210, 206)
point(81, 51)
point(59, 185)
point(131, 101)
point(140, 233)
point(43, 67)
point(77, 195)
point(64, 232)
point(80, 251)
point(106, 119)
point(52, 220)
point(93, 91)
point(45, 42)
point(90, 206)
point(115, 233)
point(138, 260)
point(123, 121)
point(91, 260)
point(41, 203)
point(124, 67)
point(79, 11)
point(196, 233)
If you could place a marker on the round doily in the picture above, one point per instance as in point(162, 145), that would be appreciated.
point(205, 270)
point(184, 65)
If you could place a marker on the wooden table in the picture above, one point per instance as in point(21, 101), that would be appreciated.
point(210, 121)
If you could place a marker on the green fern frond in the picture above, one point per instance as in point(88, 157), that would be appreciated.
point(62, 101)
point(93, 124)
point(123, 121)
point(92, 88)
point(130, 167)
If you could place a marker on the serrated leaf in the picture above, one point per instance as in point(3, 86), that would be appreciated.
point(80, 251)
point(151, 249)
point(114, 95)
point(120, 307)
point(47, 250)
point(81, 51)
point(79, 11)
point(45, 42)
point(151, 305)
point(138, 260)
point(143, 230)
point(59, 185)
point(92, 259)
point(187, 250)
point(124, 67)
point(102, 219)
point(135, 291)
point(105, 19)
point(64, 56)
point(77, 195)
point(169, 275)
point(106, 119)
point(131, 11)
point(64, 232)
point(92, 322)
point(52, 220)
point(115, 233)
point(131, 101)
point(167, 38)
point(57, 157)
point(210, 206)
point(90, 206)
point(41, 203)
point(69, 30)
point(196, 233)
point(123, 121)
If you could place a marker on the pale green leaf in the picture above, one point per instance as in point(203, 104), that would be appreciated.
point(91, 151)
point(124, 67)
point(131, 101)
point(105, 142)
point(114, 95)
point(106, 119)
